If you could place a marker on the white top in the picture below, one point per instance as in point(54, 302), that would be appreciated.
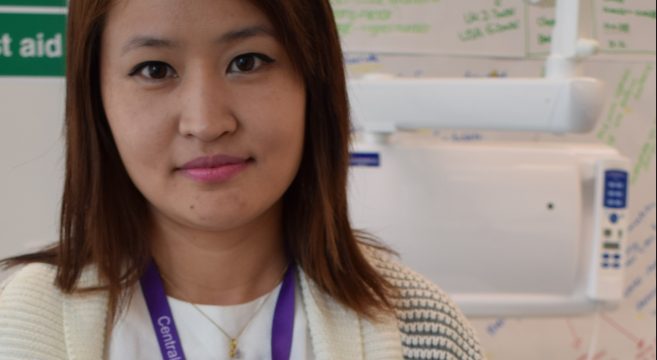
point(133, 336)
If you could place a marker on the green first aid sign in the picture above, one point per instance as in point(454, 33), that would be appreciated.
point(32, 44)
point(33, 2)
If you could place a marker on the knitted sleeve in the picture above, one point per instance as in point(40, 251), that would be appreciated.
point(31, 325)
point(431, 325)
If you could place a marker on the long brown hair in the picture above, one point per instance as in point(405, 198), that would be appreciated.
point(103, 213)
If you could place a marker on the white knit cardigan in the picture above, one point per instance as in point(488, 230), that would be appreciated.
point(38, 321)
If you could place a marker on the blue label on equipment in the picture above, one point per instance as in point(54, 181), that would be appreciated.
point(365, 159)
point(616, 182)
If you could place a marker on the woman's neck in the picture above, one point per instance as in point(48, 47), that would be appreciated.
point(213, 268)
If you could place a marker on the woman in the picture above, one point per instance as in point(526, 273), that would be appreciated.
point(205, 210)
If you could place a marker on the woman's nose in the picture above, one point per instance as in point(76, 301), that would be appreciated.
point(207, 113)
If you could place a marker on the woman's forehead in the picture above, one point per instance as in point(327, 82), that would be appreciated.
point(209, 20)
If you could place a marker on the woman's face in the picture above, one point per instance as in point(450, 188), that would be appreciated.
point(205, 108)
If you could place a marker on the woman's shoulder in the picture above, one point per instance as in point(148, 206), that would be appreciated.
point(40, 321)
point(431, 325)
point(31, 282)
point(34, 286)
point(30, 296)
point(31, 319)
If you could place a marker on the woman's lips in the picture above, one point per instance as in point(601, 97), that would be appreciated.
point(213, 169)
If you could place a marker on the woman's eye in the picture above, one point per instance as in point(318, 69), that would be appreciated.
point(248, 63)
point(153, 70)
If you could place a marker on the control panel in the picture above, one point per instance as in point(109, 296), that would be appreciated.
point(607, 267)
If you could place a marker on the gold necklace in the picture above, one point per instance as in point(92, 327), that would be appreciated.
point(233, 351)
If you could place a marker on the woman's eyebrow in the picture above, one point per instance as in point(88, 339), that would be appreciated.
point(148, 42)
point(244, 33)
point(231, 36)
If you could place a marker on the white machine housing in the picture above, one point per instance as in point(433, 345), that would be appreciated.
point(385, 104)
point(505, 229)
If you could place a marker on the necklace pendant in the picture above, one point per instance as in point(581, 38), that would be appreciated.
point(238, 354)
point(234, 351)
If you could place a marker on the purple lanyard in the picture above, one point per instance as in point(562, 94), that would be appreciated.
point(165, 326)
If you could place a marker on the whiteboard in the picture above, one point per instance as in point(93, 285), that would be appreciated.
point(626, 31)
